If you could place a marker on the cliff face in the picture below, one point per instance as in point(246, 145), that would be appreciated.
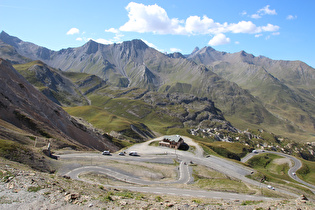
point(28, 109)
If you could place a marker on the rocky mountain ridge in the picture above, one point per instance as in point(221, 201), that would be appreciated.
point(224, 78)
point(286, 88)
point(52, 83)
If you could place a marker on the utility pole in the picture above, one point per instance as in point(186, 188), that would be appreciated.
point(48, 148)
point(35, 141)
point(261, 187)
point(175, 152)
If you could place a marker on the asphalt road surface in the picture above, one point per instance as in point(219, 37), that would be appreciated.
point(161, 190)
point(297, 164)
point(160, 154)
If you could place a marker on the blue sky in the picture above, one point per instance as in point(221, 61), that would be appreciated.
point(278, 29)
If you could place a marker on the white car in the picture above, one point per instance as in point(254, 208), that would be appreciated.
point(133, 153)
point(106, 153)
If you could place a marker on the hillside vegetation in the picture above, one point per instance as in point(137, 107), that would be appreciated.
point(129, 92)
point(251, 92)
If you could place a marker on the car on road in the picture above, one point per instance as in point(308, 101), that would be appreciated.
point(133, 153)
point(254, 151)
point(106, 153)
point(121, 154)
point(271, 187)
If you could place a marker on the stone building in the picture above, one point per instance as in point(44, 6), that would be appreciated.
point(171, 141)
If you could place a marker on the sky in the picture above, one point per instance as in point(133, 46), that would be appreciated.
point(278, 29)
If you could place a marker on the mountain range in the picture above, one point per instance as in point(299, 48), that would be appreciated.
point(249, 91)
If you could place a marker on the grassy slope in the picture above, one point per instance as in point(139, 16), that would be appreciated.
point(209, 179)
point(30, 75)
point(286, 102)
point(137, 111)
point(99, 117)
point(24, 154)
point(264, 163)
point(226, 149)
point(63, 96)
point(277, 174)
point(307, 172)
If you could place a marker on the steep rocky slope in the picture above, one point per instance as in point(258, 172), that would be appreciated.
point(9, 52)
point(52, 83)
point(24, 107)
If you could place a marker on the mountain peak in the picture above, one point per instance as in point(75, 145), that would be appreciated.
point(195, 50)
point(3, 33)
point(11, 40)
point(246, 55)
point(135, 43)
point(92, 46)
point(210, 49)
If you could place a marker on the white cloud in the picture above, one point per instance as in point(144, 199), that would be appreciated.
point(118, 37)
point(118, 34)
point(258, 35)
point(196, 25)
point(270, 27)
point(175, 50)
point(73, 31)
point(276, 33)
point(255, 16)
point(243, 13)
point(154, 19)
point(244, 27)
point(249, 27)
point(79, 39)
point(291, 17)
point(267, 11)
point(151, 18)
point(237, 42)
point(112, 30)
point(263, 11)
point(219, 39)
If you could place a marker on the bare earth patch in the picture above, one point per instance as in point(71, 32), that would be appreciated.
point(280, 161)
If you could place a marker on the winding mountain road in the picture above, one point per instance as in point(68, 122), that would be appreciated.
point(291, 172)
point(184, 175)
point(157, 154)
